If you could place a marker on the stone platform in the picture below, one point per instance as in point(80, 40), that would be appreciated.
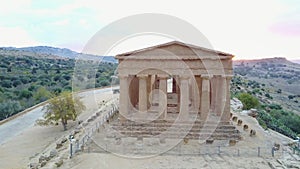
point(174, 128)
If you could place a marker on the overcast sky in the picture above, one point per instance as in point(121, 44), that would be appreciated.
point(248, 29)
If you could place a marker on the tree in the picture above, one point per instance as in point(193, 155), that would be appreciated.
point(279, 91)
point(25, 94)
point(41, 94)
point(64, 108)
point(248, 101)
point(6, 84)
point(9, 108)
point(16, 83)
point(268, 96)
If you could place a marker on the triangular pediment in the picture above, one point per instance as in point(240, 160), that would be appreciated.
point(174, 50)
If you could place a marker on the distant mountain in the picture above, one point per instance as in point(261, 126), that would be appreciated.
point(61, 52)
point(267, 60)
point(296, 61)
point(279, 76)
point(269, 63)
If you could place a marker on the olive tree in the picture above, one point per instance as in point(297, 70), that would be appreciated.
point(63, 108)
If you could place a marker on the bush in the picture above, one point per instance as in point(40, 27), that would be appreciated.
point(275, 106)
point(266, 119)
point(17, 83)
point(6, 84)
point(25, 94)
point(9, 108)
point(268, 96)
point(248, 101)
point(289, 119)
point(42, 94)
point(104, 83)
point(262, 123)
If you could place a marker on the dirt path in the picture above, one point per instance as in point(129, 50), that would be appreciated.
point(28, 144)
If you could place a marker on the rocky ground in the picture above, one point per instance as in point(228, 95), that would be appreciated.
point(192, 154)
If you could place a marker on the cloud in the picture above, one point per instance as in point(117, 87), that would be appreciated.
point(245, 28)
point(13, 6)
point(16, 37)
point(63, 22)
point(287, 28)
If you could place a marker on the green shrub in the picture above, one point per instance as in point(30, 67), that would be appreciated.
point(9, 108)
point(248, 101)
point(266, 119)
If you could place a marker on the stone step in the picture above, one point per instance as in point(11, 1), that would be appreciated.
point(195, 129)
point(170, 135)
point(171, 121)
point(159, 130)
point(177, 126)
point(154, 133)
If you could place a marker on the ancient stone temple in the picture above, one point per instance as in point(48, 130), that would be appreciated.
point(174, 83)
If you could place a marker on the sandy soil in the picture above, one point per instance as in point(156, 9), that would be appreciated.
point(109, 161)
point(18, 152)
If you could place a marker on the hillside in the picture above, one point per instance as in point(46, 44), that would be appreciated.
point(278, 77)
point(272, 87)
point(296, 61)
point(28, 78)
point(47, 51)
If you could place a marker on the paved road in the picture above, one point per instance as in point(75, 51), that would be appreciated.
point(16, 126)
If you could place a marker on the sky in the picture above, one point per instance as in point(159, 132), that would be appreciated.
point(248, 29)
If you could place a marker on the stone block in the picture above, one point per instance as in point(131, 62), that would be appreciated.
point(252, 133)
point(239, 123)
point(232, 142)
point(209, 141)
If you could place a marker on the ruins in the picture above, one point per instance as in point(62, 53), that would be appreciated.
point(175, 85)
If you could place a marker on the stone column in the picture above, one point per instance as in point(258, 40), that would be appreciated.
point(177, 91)
point(191, 92)
point(214, 92)
point(133, 83)
point(221, 95)
point(142, 93)
point(184, 96)
point(153, 81)
point(226, 114)
point(205, 98)
point(194, 95)
point(149, 89)
point(163, 95)
point(199, 85)
point(124, 100)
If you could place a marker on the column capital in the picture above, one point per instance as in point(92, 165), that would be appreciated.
point(184, 77)
point(123, 76)
point(227, 77)
point(141, 76)
point(206, 76)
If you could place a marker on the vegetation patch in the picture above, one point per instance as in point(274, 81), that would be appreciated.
point(26, 80)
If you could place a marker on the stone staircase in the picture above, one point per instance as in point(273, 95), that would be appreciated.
point(172, 129)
